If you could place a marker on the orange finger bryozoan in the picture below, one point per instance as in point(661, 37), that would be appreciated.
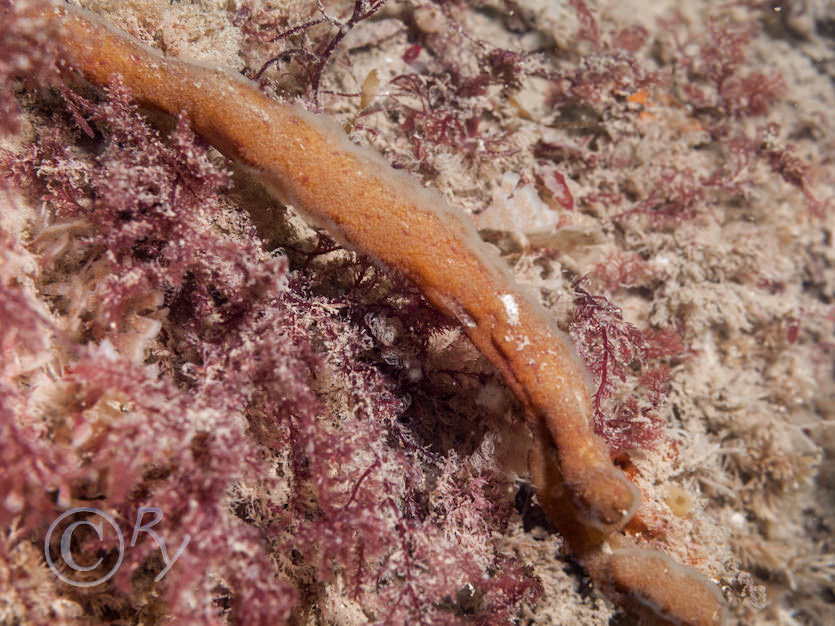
point(308, 162)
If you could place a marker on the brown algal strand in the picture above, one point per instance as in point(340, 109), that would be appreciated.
point(308, 162)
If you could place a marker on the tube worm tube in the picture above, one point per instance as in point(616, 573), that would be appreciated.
point(307, 161)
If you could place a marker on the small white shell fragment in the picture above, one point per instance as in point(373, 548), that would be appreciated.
point(511, 309)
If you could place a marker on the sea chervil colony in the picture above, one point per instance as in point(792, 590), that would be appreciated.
point(363, 522)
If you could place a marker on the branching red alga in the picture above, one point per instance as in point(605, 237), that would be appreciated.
point(307, 162)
